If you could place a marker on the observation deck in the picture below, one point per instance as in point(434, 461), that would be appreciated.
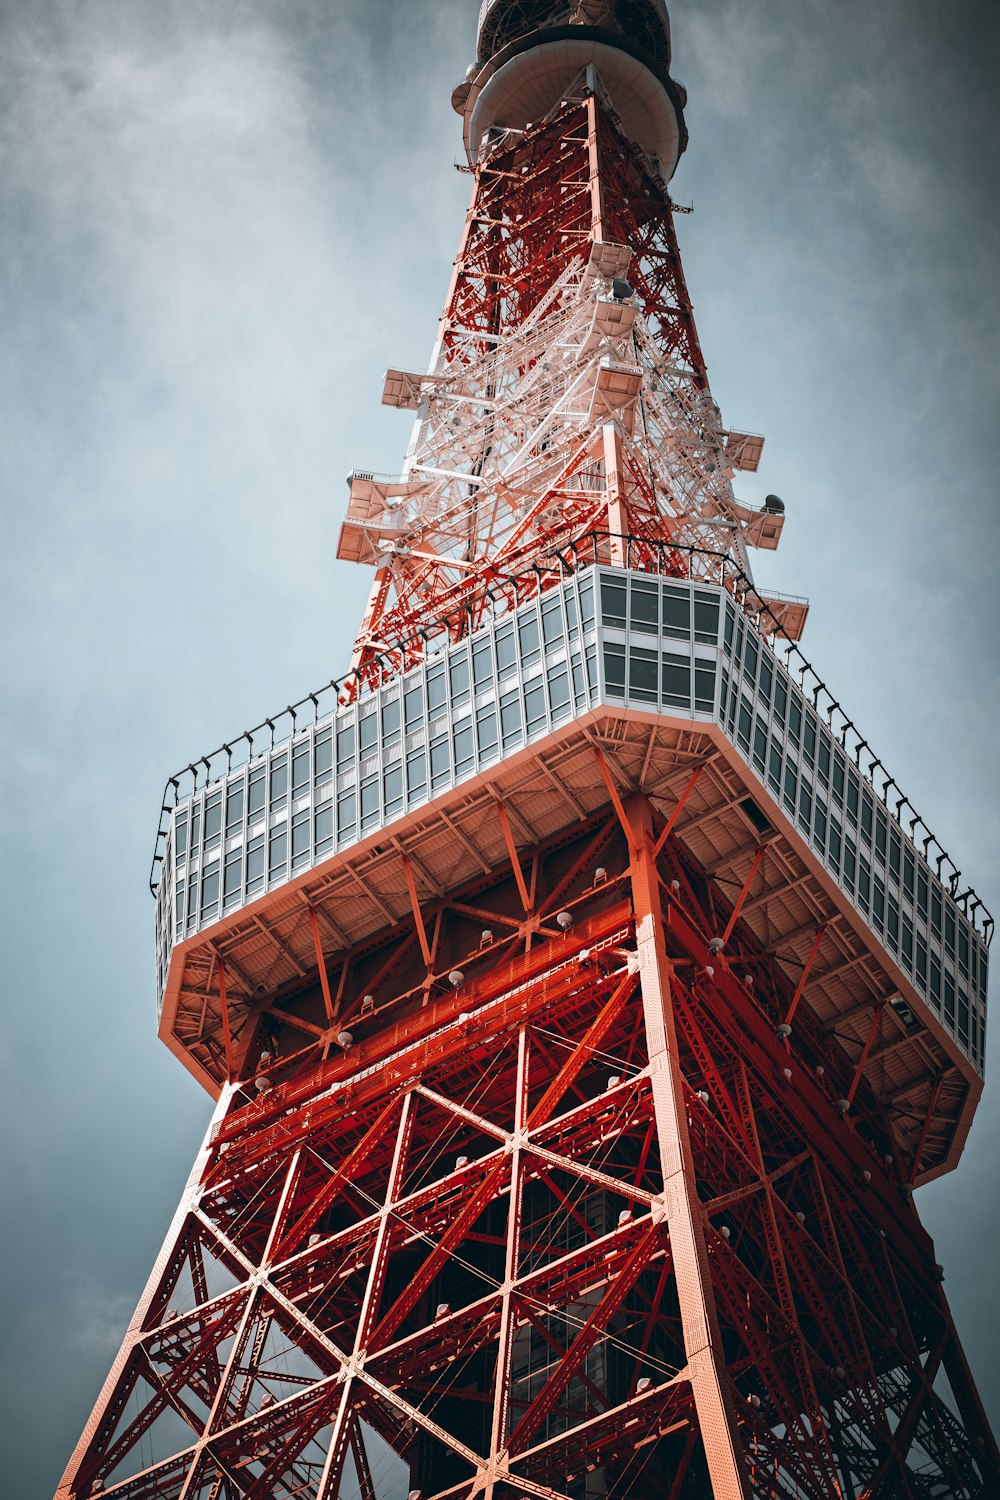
point(530, 51)
point(610, 679)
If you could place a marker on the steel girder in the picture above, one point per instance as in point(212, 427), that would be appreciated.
point(602, 1232)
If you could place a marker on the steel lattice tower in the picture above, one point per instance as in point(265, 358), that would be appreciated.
point(582, 998)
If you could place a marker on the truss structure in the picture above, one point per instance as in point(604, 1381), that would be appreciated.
point(535, 1190)
point(567, 396)
point(568, 1228)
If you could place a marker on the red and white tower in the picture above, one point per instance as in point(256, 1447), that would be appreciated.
point(582, 998)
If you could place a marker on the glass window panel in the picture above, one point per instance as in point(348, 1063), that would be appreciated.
point(213, 820)
point(527, 632)
point(766, 679)
point(391, 722)
point(300, 837)
point(324, 757)
point(232, 885)
point(416, 773)
point(345, 748)
point(440, 761)
point(552, 625)
point(486, 730)
point(210, 892)
point(675, 677)
point(642, 672)
point(368, 735)
point(510, 718)
point(255, 864)
point(506, 655)
point(559, 699)
point(704, 686)
point(482, 665)
point(279, 782)
point(676, 613)
point(413, 708)
point(645, 606)
point(614, 669)
point(587, 603)
point(613, 603)
point(464, 748)
point(437, 693)
point(459, 673)
point(392, 787)
point(534, 706)
point(277, 853)
point(300, 770)
point(180, 837)
point(323, 829)
point(369, 801)
point(706, 619)
point(347, 812)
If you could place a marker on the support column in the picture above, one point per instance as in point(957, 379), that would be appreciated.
point(699, 1321)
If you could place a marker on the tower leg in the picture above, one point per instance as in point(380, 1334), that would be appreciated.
point(702, 1335)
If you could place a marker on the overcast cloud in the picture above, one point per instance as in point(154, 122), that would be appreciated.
point(220, 222)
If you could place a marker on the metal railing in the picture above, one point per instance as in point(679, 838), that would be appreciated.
point(634, 553)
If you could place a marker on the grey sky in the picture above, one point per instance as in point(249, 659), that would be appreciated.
point(220, 222)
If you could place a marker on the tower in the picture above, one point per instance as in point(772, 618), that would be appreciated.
point(582, 998)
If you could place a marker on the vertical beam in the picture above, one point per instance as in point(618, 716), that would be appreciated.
point(512, 1256)
point(617, 523)
point(699, 1320)
point(594, 165)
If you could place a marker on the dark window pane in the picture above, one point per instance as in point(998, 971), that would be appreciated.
point(324, 828)
point(257, 792)
point(613, 603)
point(614, 669)
point(506, 656)
point(459, 673)
point(676, 613)
point(645, 606)
point(464, 750)
point(277, 853)
point(416, 773)
point(486, 730)
point(368, 735)
point(510, 717)
point(642, 674)
point(675, 676)
point(300, 837)
point(413, 705)
point(559, 691)
point(392, 787)
point(527, 631)
point(279, 782)
point(324, 757)
point(482, 666)
point(534, 706)
point(436, 691)
point(300, 770)
point(706, 619)
point(345, 748)
point(391, 722)
point(704, 686)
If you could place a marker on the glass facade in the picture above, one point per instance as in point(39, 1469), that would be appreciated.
point(603, 636)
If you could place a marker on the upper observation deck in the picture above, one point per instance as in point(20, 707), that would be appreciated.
point(529, 52)
point(648, 677)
